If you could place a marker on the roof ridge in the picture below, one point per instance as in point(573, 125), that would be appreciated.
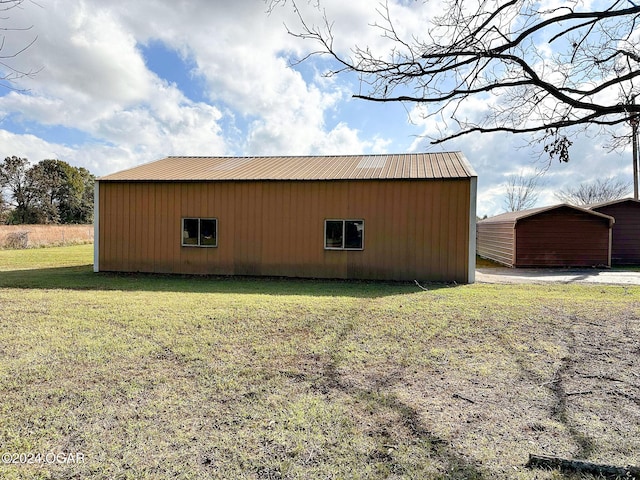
point(298, 167)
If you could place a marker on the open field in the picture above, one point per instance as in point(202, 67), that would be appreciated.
point(154, 377)
point(44, 235)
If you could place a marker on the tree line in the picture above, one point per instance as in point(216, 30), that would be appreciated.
point(49, 192)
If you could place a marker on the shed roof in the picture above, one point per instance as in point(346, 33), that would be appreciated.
point(593, 206)
point(337, 167)
point(515, 217)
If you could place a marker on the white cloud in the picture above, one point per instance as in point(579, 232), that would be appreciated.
point(94, 80)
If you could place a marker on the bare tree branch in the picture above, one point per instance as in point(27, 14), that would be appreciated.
point(603, 190)
point(9, 74)
point(521, 191)
point(497, 51)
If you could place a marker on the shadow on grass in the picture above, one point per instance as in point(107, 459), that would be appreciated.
point(82, 277)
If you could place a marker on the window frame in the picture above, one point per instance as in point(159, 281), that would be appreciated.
point(344, 227)
point(198, 244)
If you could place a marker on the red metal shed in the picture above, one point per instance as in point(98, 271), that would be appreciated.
point(556, 236)
point(625, 236)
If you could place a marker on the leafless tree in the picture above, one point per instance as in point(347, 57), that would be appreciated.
point(9, 73)
point(594, 192)
point(522, 192)
point(549, 72)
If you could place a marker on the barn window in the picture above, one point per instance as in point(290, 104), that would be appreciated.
point(344, 234)
point(199, 232)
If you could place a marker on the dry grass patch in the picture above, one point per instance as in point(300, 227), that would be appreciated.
point(29, 236)
point(181, 377)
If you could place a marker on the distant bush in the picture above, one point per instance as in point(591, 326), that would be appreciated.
point(16, 240)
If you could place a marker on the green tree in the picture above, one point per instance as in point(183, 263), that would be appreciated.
point(76, 195)
point(14, 179)
point(52, 191)
point(45, 180)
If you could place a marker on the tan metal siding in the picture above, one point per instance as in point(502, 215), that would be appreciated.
point(625, 248)
point(496, 241)
point(413, 229)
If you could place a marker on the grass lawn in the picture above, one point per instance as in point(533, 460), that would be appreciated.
point(154, 377)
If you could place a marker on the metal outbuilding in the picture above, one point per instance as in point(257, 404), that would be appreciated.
point(625, 237)
point(387, 217)
point(556, 236)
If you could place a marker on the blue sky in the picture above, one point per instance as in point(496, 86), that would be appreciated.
point(124, 83)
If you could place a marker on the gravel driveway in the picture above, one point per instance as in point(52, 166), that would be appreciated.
point(561, 275)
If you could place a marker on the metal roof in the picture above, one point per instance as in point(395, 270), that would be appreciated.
point(337, 167)
point(594, 206)
point(515, 217)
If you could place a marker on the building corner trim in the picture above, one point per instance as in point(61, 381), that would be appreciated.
point(472, 229)
point(96, 227)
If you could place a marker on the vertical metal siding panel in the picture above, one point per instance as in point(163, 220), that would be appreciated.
point(114, 232)
point(315, 231)
point(374, 231)
point(252, 192)
point(126, 237)
point(185, 211)
point(231, 223)
point(404, 266)
point(444, 229)
point(437, 220)
point(420, 217)
point(299, 242)
point(257, 226)
point(562, 237)
point(240, 238)
point(272, 228)
point(461, 253)
point(625, 242)
point(120, 232)
point(284, 252)
point(384, 231)
point(308, 232)
point(107, 244)
point(141, 207)
point(165, 233)
point(152, 216)
point(277, 220)
point(460, 231)
point(428, 250)
point(449, 231)
point(155, 226)
point(106, 206)
point(135, 227)
point(175, 207)
point(226, 241)
point(412, 229)
point(268, 228)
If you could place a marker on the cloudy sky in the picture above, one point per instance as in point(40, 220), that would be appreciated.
point(120, 83)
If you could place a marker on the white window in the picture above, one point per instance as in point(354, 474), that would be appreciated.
point(199, 232)
point(344, 234)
